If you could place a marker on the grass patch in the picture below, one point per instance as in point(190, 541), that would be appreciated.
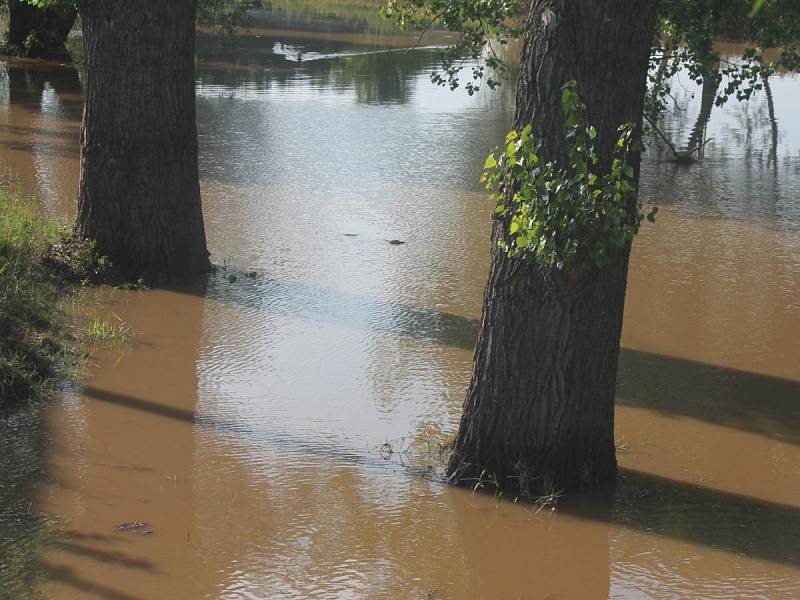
point(109, 332)
point(29, 317)
point(35, 343)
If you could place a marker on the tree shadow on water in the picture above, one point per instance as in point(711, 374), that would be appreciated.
point(751, 402)
point(760, 404)
point(643, 502)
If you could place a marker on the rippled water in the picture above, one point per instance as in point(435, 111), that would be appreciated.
point(280, 436)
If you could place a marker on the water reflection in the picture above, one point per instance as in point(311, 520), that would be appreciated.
point(23, 530)
point(246, 428)
point(39, 128)
point(374, 74)
point(129, 466)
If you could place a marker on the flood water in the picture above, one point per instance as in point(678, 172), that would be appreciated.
point(279, 437)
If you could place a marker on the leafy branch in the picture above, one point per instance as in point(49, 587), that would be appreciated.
point(561, 216)
point(478, 23)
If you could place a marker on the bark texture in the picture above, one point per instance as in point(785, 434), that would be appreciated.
point(139, 196)
point(539, 412)
point(40, 32)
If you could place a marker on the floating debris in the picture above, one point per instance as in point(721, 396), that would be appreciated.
point(135, 527)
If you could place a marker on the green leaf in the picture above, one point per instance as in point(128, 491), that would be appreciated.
point(756, 7)
point(491, 162)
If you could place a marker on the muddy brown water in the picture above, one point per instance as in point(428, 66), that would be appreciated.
point(279, 437)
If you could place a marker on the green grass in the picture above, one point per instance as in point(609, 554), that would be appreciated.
point(111, 332)
point(33, 332)
point(366, 12)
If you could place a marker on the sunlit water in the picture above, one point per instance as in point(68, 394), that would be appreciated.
point(279, 436)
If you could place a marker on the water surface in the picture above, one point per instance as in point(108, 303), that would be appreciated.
point(278, 437)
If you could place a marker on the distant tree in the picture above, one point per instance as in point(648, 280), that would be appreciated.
point(40, 28)
point(227, 14)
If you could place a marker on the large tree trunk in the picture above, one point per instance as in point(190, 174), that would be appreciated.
point(139, 195)
point(40, 32)
point(539, 413)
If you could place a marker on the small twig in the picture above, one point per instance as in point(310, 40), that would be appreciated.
point(661, 135)
point(424, 31)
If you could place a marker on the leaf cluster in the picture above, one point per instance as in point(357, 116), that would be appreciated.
point(558, 215)
point(683, 41)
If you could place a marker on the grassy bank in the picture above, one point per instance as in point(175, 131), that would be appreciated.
point(33, 325)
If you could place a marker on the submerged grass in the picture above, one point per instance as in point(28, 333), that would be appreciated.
point(109, 332)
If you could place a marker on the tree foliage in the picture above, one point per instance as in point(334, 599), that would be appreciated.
point(561, 213)
point(223, 13)
point(479, 23)
point(558, 215)
point(219, 13)
point(684, 40)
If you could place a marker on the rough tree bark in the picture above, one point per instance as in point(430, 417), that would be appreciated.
point(539, 412)
point(40, 32)
point(139, 196)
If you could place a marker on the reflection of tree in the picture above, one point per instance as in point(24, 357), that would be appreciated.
point(381, 77)
point(376, 73)
point(26, 84)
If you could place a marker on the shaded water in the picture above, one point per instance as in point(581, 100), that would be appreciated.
point(279, 435)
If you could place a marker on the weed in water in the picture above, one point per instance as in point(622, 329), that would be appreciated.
point(101, 331)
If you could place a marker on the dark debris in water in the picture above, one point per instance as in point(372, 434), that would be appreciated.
point(135, 527)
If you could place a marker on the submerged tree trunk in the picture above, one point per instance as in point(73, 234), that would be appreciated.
point(711, 82)
point(139, 197)
point(40, 32)
point(539, 413)
point(773, 147)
